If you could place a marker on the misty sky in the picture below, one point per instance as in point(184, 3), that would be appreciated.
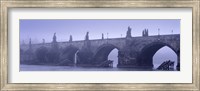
point(44, 29)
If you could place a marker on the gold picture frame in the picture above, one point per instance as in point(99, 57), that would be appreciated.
point(6, 4)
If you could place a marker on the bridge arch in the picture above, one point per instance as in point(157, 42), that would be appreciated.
point(67, 56)
point(147, 53)
point(41, 54)
point(102, 53)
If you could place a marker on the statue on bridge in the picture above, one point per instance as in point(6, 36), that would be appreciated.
point(145, 32)
point(70, 38)
point(102, 36)
point(128, 33)
point(54, 37)
point(87, 36)
point(54, 43)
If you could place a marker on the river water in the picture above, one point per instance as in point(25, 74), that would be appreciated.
point(73, 68)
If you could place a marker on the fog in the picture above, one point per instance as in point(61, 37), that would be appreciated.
point(115, 28)
point(44, 29)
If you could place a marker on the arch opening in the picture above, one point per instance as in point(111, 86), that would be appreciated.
point(155, 54)
point(106, 56)
point(113, 56)
point(164, 54)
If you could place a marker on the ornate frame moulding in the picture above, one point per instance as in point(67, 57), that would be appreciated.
point(7, 4)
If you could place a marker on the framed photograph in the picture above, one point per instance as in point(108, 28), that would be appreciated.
point(99, 45)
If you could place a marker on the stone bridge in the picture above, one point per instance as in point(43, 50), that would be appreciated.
point(132, 51)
